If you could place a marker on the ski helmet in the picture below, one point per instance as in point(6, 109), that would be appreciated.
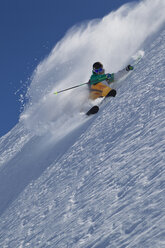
point(97, 65)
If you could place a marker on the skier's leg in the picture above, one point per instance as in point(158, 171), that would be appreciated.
point(112, 93)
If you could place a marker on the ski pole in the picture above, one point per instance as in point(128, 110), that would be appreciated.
point(76, 86)
point(56, 92)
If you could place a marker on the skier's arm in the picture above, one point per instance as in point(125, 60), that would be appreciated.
point(118, 75)
point(97, 78)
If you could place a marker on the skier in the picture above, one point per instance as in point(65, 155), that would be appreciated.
point(99, 81)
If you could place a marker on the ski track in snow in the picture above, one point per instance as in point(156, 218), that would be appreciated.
point(101, 185)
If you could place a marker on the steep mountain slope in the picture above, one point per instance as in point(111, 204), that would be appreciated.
point(108, 188)
point(99, 183)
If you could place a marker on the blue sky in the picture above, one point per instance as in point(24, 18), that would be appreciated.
point(29, 30)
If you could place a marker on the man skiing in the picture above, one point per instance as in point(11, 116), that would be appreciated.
point(99, 81)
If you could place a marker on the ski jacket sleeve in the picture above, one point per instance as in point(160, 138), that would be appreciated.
point(118, 75)
point(110, 78)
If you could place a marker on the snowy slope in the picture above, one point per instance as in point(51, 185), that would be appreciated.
point(99, 185)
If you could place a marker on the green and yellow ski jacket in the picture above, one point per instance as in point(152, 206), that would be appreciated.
point(99, 85)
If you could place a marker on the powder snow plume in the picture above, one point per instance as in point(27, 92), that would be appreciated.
point(113, 40)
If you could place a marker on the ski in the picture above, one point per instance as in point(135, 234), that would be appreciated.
point(93, 110)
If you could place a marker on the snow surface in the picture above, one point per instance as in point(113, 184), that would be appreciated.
point(70, 181)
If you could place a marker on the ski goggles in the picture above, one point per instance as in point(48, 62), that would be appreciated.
point(98, 70)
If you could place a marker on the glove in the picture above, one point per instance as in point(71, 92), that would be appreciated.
point(129, 68)
point(108, 75)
